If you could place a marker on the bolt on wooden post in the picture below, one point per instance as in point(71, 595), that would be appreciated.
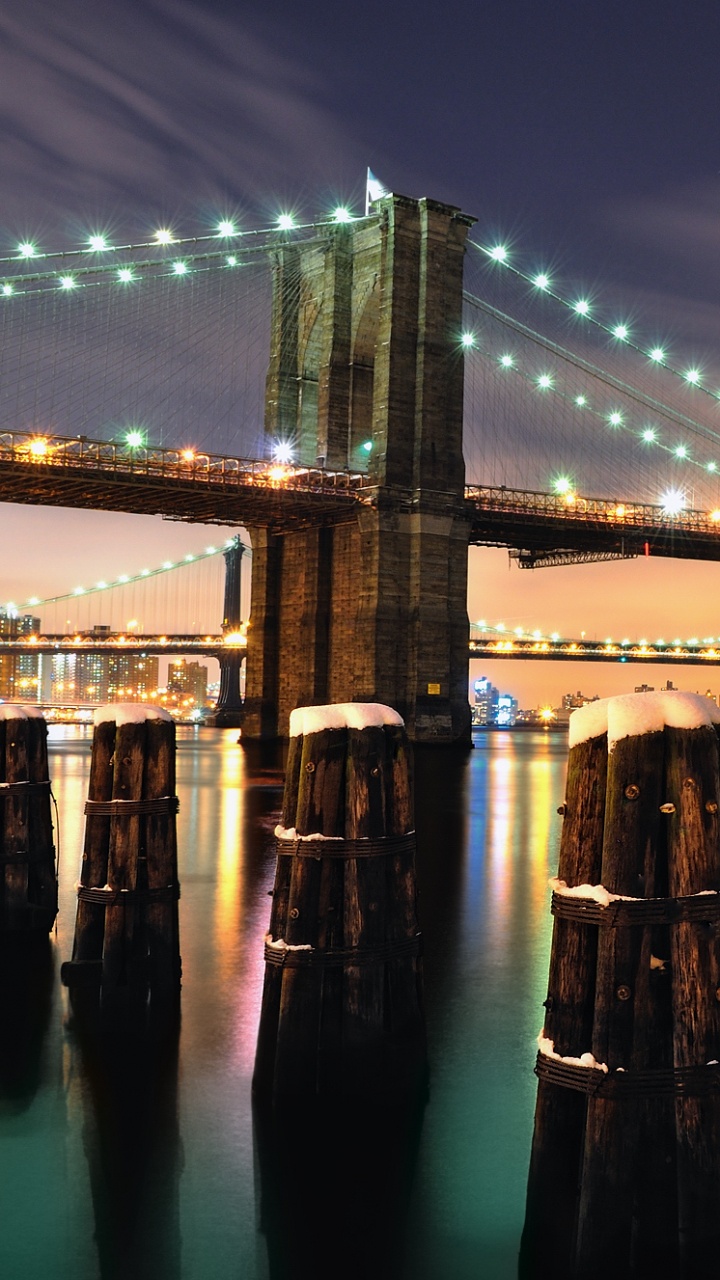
point(342, 1002)
point(126, 929)
point(625, 1166)
point(28, 894)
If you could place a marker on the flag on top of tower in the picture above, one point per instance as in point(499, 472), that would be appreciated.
point(374, 190)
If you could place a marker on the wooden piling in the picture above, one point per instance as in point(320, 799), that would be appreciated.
point(560, 1114)
point(126, 941)
point(342, 1000)
point(28, 897)
point(644, 1197)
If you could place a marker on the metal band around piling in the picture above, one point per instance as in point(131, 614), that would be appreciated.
point(380, 847)
point(700, 908)
point(130, 808)
point(309, 957)
point(678, 1082)
point(27, 856)
point(128, 897)
point(23, 788)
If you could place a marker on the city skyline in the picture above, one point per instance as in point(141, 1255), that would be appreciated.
point(533, 694)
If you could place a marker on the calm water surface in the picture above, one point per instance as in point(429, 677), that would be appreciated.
point(150, 1166)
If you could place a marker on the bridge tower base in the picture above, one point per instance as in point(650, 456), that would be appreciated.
point(367, 372)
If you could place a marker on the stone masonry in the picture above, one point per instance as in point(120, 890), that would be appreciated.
point(366, 347)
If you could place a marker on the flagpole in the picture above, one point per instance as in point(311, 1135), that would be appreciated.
point(367, 193)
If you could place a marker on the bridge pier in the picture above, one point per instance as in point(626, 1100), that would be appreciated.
point(228, 712)
point(367, 372)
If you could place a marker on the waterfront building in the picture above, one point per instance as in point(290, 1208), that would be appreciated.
point(188, 681)
point(486, 700)
point(101, 677)
point(573, 700)
point(507, 709)
point(19, 673)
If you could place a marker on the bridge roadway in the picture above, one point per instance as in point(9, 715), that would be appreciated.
point(700, 653)
point(86, 642)
point(183, 484)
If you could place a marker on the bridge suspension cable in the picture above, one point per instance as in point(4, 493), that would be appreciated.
point(180, 597)
point(172, 349)
point(583, 307)
point(609, 414)
point(539, 411)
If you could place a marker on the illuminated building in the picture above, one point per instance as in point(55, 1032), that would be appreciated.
point(493, 707)
point(102, 677)
point(19, 673)
point(188, 680)
point(486, 696)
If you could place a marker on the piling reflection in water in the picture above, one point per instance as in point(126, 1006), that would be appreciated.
point(333, 1183)
point(132, 1144)
point(458, 1203)
point(486, 831)
point(27, 966)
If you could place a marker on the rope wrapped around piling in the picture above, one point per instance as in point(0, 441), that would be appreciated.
point(677, 1082)
point(23, 788)
point(699, 908)
point(130, 808)
point(330, 847)
point(304, 957)
point(130, 897)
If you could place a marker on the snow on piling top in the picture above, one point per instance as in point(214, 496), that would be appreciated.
point(130, 713)
point(634, 713)
point(13, 711)
point(342, 715)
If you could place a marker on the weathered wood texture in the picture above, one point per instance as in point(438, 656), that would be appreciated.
point(129, 943)
point(28, 884)
point(631, 1186)
point(548, 1236)
point(343, 1015)
point(625, 1016)
point(694, 867)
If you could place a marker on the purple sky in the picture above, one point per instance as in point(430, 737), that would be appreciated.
point(587, 135)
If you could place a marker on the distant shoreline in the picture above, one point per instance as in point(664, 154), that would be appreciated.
point(520, 728)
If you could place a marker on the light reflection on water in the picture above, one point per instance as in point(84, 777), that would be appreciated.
point(70, 1140)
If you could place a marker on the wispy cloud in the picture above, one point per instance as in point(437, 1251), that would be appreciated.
point(151, 103)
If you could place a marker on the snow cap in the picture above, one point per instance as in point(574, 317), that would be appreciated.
point(634, 713)
point(11, 711)
point(342, 715)
point(130, 713)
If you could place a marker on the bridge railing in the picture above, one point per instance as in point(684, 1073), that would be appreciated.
point(80, 452)
point(85, 641)
point(571, 507)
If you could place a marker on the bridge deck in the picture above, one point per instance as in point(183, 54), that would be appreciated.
point(538, 524)
point(217, 489)
point(179, 484)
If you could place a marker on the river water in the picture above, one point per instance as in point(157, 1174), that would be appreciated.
point(152, 1166)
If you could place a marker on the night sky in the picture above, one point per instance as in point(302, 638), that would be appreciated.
point(585, 134)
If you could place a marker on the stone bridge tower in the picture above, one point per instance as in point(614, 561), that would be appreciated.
point(366, 373)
